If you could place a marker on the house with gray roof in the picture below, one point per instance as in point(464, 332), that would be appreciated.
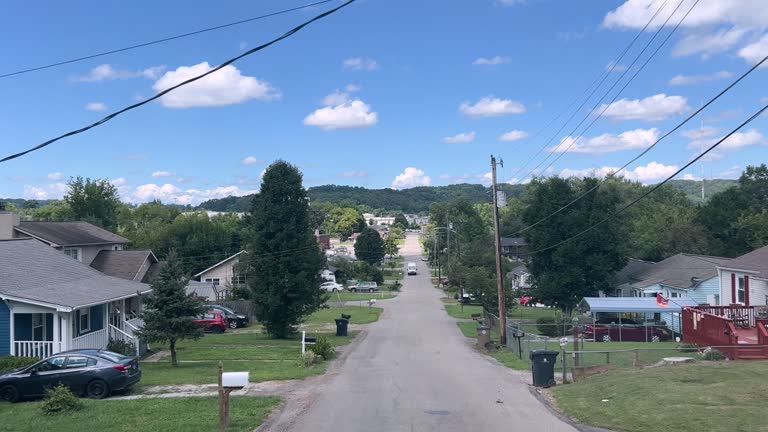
point(513, 247)
point(744, 280)
point(135, 265)
point(681, 275)
point(51, 303)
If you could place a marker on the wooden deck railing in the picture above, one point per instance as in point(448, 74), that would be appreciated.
point(743, 316)
point(762, 332)
point(707, 329)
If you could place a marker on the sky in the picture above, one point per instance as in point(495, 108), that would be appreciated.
point(381, 94)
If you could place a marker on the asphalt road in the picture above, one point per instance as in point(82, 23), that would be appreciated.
point(415, 371)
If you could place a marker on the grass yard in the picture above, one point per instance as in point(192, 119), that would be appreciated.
point(712, 397)
point(266, 359)
point(503, 355)
point(530, 313)
point(455, 310)
point(350, 296)
point(360, 315)
point(157, 414)
point(649, 353)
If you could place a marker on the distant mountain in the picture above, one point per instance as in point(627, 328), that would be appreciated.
point(23, 203)
point(414, 200)
point(692, 188)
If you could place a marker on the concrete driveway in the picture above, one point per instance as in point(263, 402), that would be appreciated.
point(415, 371)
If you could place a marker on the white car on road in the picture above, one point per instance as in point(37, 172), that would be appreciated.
point(331, 286)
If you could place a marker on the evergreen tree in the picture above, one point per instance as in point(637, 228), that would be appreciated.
point(284, 260)
point(401, 220)
point(369, 246)
point(169, 310)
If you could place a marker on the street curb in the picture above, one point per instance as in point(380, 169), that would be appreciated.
point(559, 414)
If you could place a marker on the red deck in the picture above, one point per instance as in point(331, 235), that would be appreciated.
point(735, 330)
point(747, 336)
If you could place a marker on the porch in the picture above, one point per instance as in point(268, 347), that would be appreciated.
point(738, 331)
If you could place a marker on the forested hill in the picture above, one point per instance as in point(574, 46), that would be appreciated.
point(414, 200)
point(692, 188)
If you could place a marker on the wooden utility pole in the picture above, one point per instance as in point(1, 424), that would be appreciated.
point(499, 279)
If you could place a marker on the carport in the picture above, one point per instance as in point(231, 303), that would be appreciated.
point(639, 305)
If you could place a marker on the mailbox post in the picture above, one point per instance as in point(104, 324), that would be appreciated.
point(228, 382)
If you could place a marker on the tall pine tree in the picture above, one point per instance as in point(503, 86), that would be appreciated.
point(169, 310)
point(284, 258)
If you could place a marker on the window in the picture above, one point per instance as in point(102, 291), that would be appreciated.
point(117, 247)
point(38, 327)
point(50, 365)
point(85, 320)
point(239, 279)
point(674, 294)
point(79, 362)
point(740, 293)
point(215, 281)
point(717, 299)
point(73, 253)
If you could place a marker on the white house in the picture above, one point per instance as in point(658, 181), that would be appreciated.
point(224, 273)
point(744, 280)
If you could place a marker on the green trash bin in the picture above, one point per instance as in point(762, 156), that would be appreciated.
point(341, 326)
point(543, 367)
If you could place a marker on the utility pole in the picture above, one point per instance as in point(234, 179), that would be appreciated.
point(499, 279)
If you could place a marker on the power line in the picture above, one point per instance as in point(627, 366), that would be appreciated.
point(189, 81)
point(649, 148)
point(602, 77)
point(158, 41)
point(655, 188)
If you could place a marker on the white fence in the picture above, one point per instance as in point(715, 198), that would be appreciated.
point(40, 349)
point(97, 339)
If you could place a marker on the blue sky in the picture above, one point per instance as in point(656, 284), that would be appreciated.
point(382, 94)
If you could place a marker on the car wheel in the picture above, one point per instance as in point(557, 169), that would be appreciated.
point(97, 389)
point(606, 338)
point(9, 393)
point(354, 290)
point(655, 338)
point(371, 290)
point(233, 324)
point(334, 290)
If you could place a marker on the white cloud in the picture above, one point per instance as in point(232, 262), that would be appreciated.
point(42, 192)
point(123, 188)
point(755, 51)
point(491, 61)
point(411, 177)
point(162, 174)
point(359, 63)
point(606, 143)
point(351, 88)
point(224, 87)
point(708, 44)
point(615, 67)
point(702, 132)
point(650, 172)
point(336, 98)
point(735, 141)
point(653, 108)
point(95, 106)
point(513, 135)
point(249, 160)
point(351, 174)
point(106, 72)
point(732, 172)
point(460, 138)
point(55, 176)
point(170, 193)
point(351, 114)
point(491, 106)
point(690, 177)
point(698, 79)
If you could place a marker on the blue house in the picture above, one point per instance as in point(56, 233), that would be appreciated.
point(50, 302)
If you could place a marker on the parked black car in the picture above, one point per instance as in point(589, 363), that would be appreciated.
point(87, 372)
point(234, 319)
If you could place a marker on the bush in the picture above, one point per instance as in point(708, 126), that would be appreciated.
point(121, 347)
point(10, 362)
point(712, 354)
point(60, 399)
point(553, 327)
point(688, 347)
point(323, 348)
point(309, 359)
point(395, 286)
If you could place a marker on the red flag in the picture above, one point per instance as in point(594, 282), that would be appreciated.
point(661, 301)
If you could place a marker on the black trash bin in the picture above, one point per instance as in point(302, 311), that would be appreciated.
point(543, 367)
point(346, 317)
point(341, 326)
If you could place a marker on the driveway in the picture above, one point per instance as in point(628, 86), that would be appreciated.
point(414, 371)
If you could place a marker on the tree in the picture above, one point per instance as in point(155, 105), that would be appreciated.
point(285, 261)
point(401, 220)
point(371, 221)
point(369, 246)
point(96, 201)
point(341, 221)
point(390, 246)
point(170, 312)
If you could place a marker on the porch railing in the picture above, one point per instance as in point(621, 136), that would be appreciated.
point(97, 339)
point(743, 316)
point(706, 329)
point(119, 335)
point(39, 349)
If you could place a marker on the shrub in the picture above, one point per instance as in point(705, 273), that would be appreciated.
point(712, 354)
point(60, 399)
point(10, 362)
point(395, 286)
point(323, 348)
point(121, 347)
point(309, 359)
point(688, 347)
point(553, 327)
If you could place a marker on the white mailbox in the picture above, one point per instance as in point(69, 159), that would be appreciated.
point(234, 380)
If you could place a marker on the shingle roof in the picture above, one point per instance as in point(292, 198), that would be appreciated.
point(124, 264)
point(513, 241)
point(220, 263)
point(69, 233)
point(680, 271)
point(633, 267)
point(30, 270)
point(757, 261)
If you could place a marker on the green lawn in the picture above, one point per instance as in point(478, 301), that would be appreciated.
point(530, 313)
point(156, 414)
point(503, 355)
point(623, 356)
point(456, 311)
point(360, 315)
point(266, 359)
point(712, 397)
point(350, 296)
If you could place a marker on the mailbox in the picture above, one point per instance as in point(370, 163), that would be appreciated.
point(234, 380)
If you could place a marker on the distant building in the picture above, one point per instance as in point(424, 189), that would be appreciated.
point(324, 240)
point(514, 247)
point(224, 273)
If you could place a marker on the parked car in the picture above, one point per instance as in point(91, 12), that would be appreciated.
point(331, 286)
point(87, 372)
point(234, 319)
point(609, 329)
point(212, 321)
point(365, 286)
point(411, 268)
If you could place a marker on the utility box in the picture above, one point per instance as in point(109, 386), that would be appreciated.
point(483, 336)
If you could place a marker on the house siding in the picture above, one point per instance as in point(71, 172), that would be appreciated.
point(706, 291)
point(758, 291)
point(5, 329)
point(758, 288)
point(223, 272)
